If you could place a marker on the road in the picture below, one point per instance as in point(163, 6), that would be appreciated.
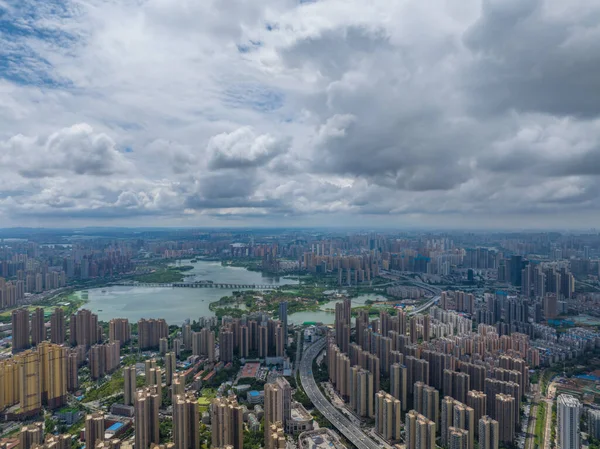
point(339, 421)
point(530, 436)
point(549, 401)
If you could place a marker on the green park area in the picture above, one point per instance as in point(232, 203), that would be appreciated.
point(164, 275)
point(69, 301)
point(206, 397)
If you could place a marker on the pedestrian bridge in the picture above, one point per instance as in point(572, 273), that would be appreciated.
point(200, 284)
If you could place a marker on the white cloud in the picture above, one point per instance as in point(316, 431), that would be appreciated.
point(280, 110)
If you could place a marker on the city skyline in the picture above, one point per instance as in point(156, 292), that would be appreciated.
point(476, 114)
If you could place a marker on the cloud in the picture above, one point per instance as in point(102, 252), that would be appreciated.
point(482, 112)
point(76, 150)
point(243, 149)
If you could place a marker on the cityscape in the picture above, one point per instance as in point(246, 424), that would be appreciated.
point(297, 338)
point(299, 224)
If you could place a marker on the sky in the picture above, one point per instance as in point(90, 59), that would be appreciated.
point(438, 113)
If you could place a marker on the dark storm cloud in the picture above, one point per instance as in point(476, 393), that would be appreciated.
point(529, 56)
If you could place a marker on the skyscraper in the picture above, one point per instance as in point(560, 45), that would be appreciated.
point(283, 317)
point(30, 398)
point(186, 419)
point(427, 401)
point(387, 416)
point(84, 328)
point(20, 330)
point(505, 410)
point(58, 326)
point(130, 384)
point(72, 371)
point(150, 332)
point(226, 346)
point(94, 429)
point(273, 406)
point(488, 433)
point(567, 419)
point(53, 374)
point(477, 400)
point(277, 437)
point(227, 423)
point(163, 345)
point(30, 435)
point(38, 328)
point(119, 329)
point(342, 324)
point(398, 385)
point(146, 418)
point(170, 367)
point(458, 438)
point(419, 431)
point(244, 341)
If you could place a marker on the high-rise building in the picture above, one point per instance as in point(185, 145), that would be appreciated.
point(387, 416)
point(477, 400)
point(427, 401)
point(38, 326)
point(283, 317)
point(489, 437)
point(20, 330)
point(398, 384)
point(505, 410)
point(419, 431)
point(286, 397)
point(147, 403)
point(456, 384)
point(170, 367)
point(84, 328)
point(276, 437)
point(154, 377)
point(273, 405)
point(130, 384)
point(53, 374)
point(163, 345)
point(593, 419)
point(458, 438)
point(94, 429)
point(342, 324)
point(178, 385)
point(63, 441)
point(72, 371)
point(279, 341)
point(464, 419)
point(550, 306)
point(119, 329)
point(567, 419)
point(263, 341)
point(30, 398)
point(58, 326)
point(30, 435)
point(227, 423)
point(226, 345)
point(150, 331)
point(186, 420)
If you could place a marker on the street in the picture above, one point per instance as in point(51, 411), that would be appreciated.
point(339, 421)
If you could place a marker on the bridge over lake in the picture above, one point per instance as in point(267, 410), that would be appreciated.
point(200, 284)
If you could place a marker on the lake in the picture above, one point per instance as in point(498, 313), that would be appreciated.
point(174, 304)
point(326, 313)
